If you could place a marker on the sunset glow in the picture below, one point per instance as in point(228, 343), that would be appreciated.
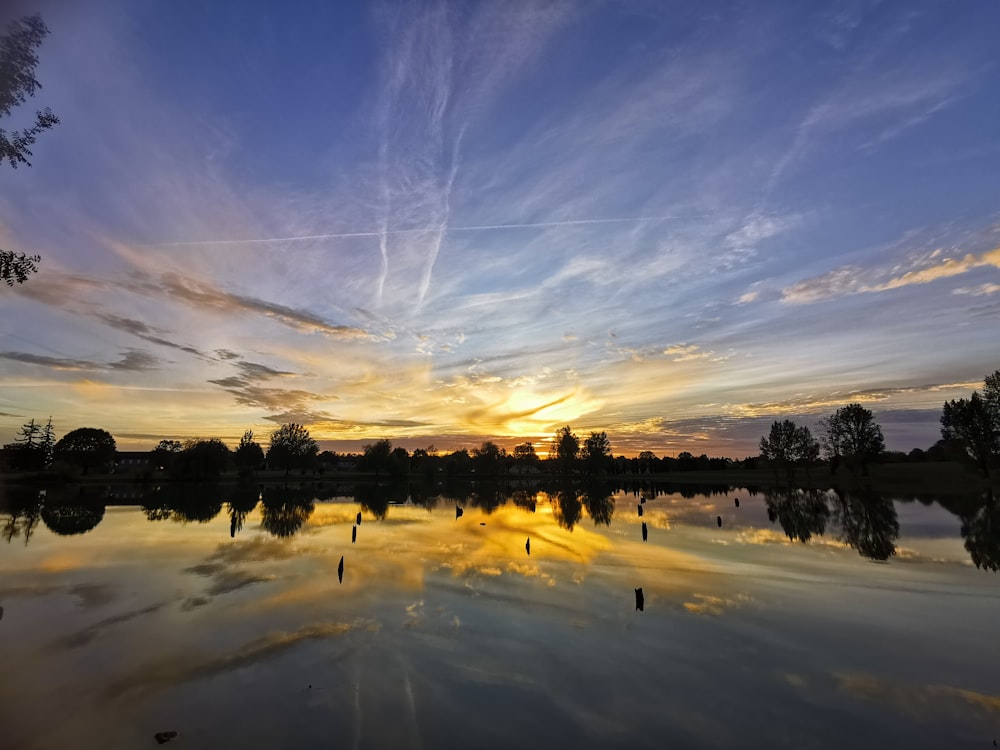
point(445, 223)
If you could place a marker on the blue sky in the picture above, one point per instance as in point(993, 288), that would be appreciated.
point(445, 222)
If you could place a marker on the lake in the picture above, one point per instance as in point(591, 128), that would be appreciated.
point(219, 614)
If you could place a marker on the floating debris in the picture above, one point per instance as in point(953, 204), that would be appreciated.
point(483, 523)
point(718, 520)
point(527, 546)
point(645, 531)
point(354, 534)
point(737, 501)
point(640, 510)
point(162, 737)
point(340, 570)
point(640, 600)
point(359, 518)
point(458, 512)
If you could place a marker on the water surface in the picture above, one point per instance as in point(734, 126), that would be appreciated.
point(219, 614)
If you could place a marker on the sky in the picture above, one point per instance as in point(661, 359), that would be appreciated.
point(445, 222)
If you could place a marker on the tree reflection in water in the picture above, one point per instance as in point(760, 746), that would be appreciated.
point(25, 506)
point(183, 502)
point(863, 519)
point(241, 504)
point(600, 505)
point(568, 509)
point(801, 513)
point(981, 531)
point(868, 523)
point(285, 509)
point(66, 519)
point(526, 499)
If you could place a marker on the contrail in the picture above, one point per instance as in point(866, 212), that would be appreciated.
point(421, 230)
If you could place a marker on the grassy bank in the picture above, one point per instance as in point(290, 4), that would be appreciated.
point(944, 478)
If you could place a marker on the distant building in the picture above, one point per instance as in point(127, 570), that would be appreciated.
point(133, 462)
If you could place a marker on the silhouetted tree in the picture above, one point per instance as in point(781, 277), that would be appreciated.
point(201, 460)
point(86, 447)
point(596, 453)
point(47, 442)
point(524, 456)
point(399, 463)
point(686, 461)
point(424, 463)
point(458, 463)
point(565, 449)
point(851, 434)
point(377, 457)
point(28, 452)
point(647, 462)
point(249, 455)
point(973, 424)
point(17, 84)
point(291, 448)
point(487, 459)
point(788, 446)
point(164, 454)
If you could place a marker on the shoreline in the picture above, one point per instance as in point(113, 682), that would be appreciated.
point(947, 478)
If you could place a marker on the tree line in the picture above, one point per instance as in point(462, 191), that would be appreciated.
point(290, 448)
point(850, 437)
point(970, 432)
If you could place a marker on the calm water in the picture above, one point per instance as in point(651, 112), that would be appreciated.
point(222, 618)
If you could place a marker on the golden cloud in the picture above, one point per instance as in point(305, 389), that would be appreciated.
point(849, 280)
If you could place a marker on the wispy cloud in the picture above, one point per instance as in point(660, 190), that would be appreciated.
point(822, 402)
point(207, 297)
point(502, 217)
point(132, 361)
point(165, 674)
point(849, 280)
point(686, 353)
point(143, 331)
point(896, 96)
point(982, 290)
